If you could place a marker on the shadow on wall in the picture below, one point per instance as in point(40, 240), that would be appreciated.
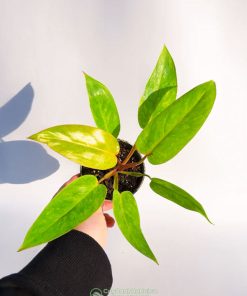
point(21, 161)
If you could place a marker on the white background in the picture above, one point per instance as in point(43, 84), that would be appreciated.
point(48, 44)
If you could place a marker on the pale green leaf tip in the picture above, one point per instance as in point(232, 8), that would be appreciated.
point(21, 248)
point(156, 261)
point(206, 216)
point(209, 220)
point(164, 48)
point(212, 83)
point(27, 245)
point(33, 137)
point(87, 77)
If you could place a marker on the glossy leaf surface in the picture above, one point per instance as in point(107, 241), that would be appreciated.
point(163, 75)
point(103, 106)
point(89, 146)
point(173, 128)
point(177, 195)
point(72, 205)
point(157, 102)
point(128, 219)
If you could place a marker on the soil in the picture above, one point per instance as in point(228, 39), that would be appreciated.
point(126, 182)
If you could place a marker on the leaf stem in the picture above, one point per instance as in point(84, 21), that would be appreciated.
point(132, 150)
point(135, 174)
point(115, 183)
point(108, 175)
point(123, 166)
point(134, 164)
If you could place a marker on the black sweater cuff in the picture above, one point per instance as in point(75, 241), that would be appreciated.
point(73, 265)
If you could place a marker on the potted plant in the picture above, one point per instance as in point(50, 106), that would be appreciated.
point(112, 168)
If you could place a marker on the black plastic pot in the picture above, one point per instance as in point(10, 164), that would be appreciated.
point(126, 182)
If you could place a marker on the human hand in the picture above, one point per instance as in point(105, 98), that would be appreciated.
point(97, 224)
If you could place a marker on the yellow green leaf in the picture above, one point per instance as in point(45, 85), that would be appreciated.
point(89, 146)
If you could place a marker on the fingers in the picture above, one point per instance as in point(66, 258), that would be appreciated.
point(109, 220)
point(67, 183)
point(107, 205)
point(71, 179)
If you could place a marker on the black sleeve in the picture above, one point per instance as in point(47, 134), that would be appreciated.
point(71, 265)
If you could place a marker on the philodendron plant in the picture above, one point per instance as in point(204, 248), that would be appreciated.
point(112, 168)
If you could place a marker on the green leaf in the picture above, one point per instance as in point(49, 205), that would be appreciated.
point(157, 102)
point(128, 219)
point(163, 75)
point(71, 206)
point(177, 195)
point(172, 129)
point(86, 145)
point(103, 106)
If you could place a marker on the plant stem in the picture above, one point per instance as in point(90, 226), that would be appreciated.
point(122, 166)
point(134, 164)
point(132, 150)
point(108, 175)
point(115, 183)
